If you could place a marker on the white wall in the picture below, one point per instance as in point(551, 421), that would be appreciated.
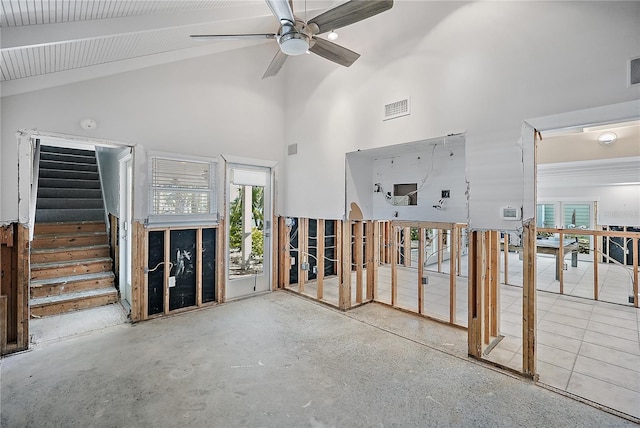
point(483, 67)
point(204, 107)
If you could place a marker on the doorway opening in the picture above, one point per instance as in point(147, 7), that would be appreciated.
point(249, 213)
point(80, 259)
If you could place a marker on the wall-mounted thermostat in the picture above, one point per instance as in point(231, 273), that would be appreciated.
point(510, 213)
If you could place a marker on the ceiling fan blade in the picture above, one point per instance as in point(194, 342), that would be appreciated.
point(333, 52)
point(276, 64)
point(281, 9)
point(232, 36)
point(349, 13)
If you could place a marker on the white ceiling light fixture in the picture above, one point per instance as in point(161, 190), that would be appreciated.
point(332, 35)
point(607, 138)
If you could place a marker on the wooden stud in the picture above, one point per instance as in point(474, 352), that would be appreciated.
point(22, 282)
point(421, 245)
point(476, 283)
point(388, 243)
point(529, 327)
point(6, 235)
point(167, 268)
point(394, 267)
point(493, 283)
point(320, 259)
point(3, 324)
point(454, 245)
point(560, 263)
point(221, 256)
point(459, 247)
point(486, 300)
point(139, 279)
point(358, 258)
point(344, 292)
point(635, 272)
point(373, 259)
point(338, 250)
point(302, 240)
point(275, 258)
point(596, 287)
point(280, 251)
point(199, 264)
point(406, 248)
point(440, 250)
point(505, 247)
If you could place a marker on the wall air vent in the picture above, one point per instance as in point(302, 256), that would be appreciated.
point(292, 149)
point(397, 109)
point(634, 71)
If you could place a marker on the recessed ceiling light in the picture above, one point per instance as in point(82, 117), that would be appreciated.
point(607, 138)
point(332, 35)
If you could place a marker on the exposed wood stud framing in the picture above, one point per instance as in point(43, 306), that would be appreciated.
point(406, 246)
point(560, 263)
point(221, 257)
point(139, 279)
point(440, 250)
point(358, 258)
point(493, 283)
point(635, 273)
point(421, 245)
point(199, 267)
point(394, 266)
point(303, 243)
point(455, 257)
point(505, 245)
point(320, 262)
point(596, 252)
point(344, 291)
point(486, 286)
point(476, 285)
point(529, 299)
point(275, 260)
point(167, 269)
point(3, 324)
point(373, 259)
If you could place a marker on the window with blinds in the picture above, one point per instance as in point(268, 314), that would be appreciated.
point(182, 187)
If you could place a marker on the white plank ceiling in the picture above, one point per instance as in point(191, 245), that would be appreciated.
point(49, 42)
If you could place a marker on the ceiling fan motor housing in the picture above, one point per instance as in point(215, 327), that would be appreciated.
point(293, 38)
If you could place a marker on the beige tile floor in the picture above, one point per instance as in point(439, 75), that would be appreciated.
point(585, 347)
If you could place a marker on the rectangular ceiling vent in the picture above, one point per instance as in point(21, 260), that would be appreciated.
point(292, 149)
point(397, 109)
point(634, 71)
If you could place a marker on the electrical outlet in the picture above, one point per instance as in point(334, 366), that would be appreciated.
point(304, 266)
point(425, 280)
point(293, 261)
point(172, 281)
point(446, 194)
point(315, 270)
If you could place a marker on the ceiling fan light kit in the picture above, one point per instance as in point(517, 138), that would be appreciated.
point(296, 36)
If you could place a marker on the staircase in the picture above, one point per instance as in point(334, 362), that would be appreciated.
point(70, 264)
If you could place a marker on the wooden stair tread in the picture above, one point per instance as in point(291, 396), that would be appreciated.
point(68, 234)
point(78, 295)
point(79, 262)
point(68, 297)
point(64, 249)
point(70, 279)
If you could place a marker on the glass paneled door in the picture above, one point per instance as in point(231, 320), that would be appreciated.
point(248, 230)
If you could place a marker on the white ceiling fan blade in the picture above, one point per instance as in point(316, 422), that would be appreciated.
point(232, 36)
point(349, 13)
point(281, 9)
point(332, 52)
point(276, 64)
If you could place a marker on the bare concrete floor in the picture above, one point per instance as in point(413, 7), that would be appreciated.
point(274, 360)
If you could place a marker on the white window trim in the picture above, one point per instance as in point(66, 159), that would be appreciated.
point(159, 220)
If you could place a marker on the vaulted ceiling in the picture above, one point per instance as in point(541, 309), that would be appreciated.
point(49, 42)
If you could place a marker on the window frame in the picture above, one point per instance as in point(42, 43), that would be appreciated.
point(210, 218)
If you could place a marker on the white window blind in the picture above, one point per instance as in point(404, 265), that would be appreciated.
point(182, 187)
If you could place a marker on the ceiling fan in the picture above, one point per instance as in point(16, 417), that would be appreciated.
point(295, 36)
